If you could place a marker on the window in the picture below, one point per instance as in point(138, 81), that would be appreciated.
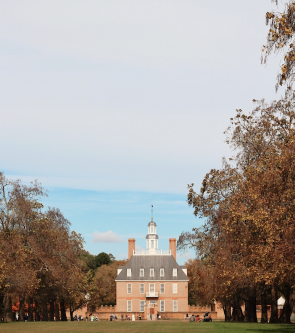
point(129, 306)
point(174, 305)
point(162, 306)
point(119, 270)
point(152, 287)
point(162, 288)
point(128, 272)
point(141, 272)
point(174, 271)
point(147, 244)
point(141, 306)
point(141, 288)
point(152, 244)
point(174, 288)
point(185, 271)
point(161, 272)
point(152, 230)
point(128, 288)
point(152, 272)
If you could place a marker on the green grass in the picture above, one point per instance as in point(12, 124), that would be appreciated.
point(143, 327)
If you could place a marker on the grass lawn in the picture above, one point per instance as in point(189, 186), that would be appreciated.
point(142, 327)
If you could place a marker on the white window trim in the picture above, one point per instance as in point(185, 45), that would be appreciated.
point(152, 271)
point(141, 302)
point(141, 284)
point(128, 272)
point(150, 287)
point(174, 285)
point(129, 284)
point(162, 284)
point(175, 302)
point(141, 272)
point(162, 302)
point(130, 306)
point(174, 271)
point(162, 272)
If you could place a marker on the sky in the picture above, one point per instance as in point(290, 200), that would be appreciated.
point(115, 105)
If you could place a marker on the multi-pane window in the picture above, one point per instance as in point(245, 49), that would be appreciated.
point(128, 288)
point(162, 288)
point(129, 306)
point(162, 305)
point(152, 272)
point(152, 244)
point(141, 306)
point(175, 306)
point(174, 271)
point(161, 272)
point(141, 288)
point(141, 272)
point(128, 272)
point(174, 288)
point(152, 287)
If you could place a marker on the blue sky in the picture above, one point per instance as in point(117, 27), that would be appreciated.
point(114, 105)
point(126, 214)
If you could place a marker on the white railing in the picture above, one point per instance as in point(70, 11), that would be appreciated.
point(152, 294)
point(151, 252)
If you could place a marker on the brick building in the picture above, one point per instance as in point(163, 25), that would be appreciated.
point(152, 282)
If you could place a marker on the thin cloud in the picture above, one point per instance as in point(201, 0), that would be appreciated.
point(106, 237)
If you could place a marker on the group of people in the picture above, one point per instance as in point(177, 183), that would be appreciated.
point(207, 317)
point(92, 318)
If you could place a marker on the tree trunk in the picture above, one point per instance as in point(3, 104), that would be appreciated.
point(51, 304)
point(287, 309)
point(264, 318)
point(8, 307)
point(237, 311)
point(274, 305)
point(30, 309)
point(21, 308)
point(63, 310)
point(227, 312)
point(45, 310)
point(250, 310)
point(37, 313)
point(1, 306)
point(56, 308)
point(71, 314)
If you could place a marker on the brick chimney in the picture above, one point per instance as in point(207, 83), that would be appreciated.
point(172, 247)
point(131, 247)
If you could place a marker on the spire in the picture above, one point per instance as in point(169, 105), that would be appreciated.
point(152, 212)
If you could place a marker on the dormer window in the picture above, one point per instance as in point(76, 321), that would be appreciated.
point(174, 271)
point(152, 272)
point(128, 272)
point(141, 272)
point(161, 272)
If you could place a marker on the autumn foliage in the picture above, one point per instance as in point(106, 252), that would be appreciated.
point(248, 240)
point(44, 269)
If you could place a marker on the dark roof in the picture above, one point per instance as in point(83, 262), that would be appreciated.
point(153, 261)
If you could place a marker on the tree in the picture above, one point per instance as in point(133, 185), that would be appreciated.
point(201, 283)
point(103, 285)
point(102, 259)
point(248, 237)
point(281, 38)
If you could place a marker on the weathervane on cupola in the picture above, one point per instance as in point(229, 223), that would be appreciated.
point(152, 237)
